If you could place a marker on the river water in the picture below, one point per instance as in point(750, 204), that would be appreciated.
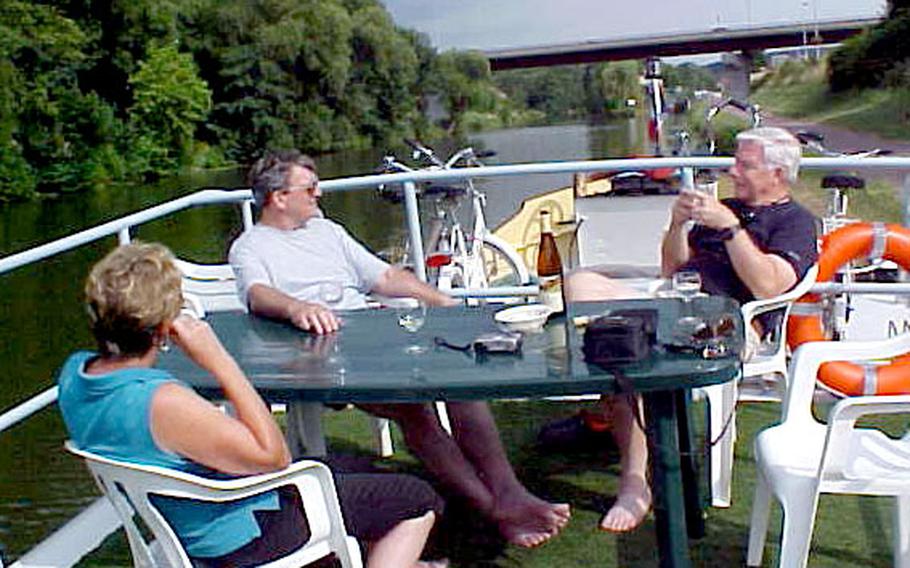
point(42, 319)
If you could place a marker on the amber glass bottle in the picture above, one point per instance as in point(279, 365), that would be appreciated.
point(549, 266)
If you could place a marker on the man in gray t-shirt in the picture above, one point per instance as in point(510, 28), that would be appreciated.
point(297, 266)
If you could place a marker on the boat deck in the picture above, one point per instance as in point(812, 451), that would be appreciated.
point(623, 232)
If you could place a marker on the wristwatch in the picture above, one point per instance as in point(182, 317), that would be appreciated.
point(730, 232)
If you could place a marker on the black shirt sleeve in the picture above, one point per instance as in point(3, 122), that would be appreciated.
point(793, 236)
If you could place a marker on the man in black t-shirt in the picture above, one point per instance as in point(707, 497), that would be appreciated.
point(758, 244)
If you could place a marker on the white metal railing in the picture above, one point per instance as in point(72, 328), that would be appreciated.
point(122, 226)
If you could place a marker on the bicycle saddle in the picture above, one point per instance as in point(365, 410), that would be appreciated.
point(842, 181)
point(447, 191)
point(806, 136)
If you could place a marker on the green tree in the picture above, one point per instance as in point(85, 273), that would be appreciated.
point(41, 55)
point(689, 77)
point(382, 99)
point(463, 80)
point(170, 101)
point(279, 69)
point(619, 83)
point(864, 61)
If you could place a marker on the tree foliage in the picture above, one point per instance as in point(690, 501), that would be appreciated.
point(574, 91)
point(93, 91)
point(170, 100)
point(865, 60)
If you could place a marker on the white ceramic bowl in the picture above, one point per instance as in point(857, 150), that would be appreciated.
point(529, 317)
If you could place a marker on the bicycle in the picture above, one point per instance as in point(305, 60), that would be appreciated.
point(457, 259)
point(839, 185)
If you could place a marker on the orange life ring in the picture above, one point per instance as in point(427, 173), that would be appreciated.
point(858, 240)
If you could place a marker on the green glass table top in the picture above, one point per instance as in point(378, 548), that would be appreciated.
point(367, 359)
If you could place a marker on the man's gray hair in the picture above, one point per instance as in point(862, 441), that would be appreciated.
point(270, 172)
point(780, 149)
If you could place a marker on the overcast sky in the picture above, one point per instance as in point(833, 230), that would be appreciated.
point(491, 24)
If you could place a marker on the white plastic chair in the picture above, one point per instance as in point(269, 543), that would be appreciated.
point(722, 399)
point(802, 458)
point(213, 286)
point(129, 485)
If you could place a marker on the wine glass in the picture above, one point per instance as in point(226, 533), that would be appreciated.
point(687, 285)
point(411, 318)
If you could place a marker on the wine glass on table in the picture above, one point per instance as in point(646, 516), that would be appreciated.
point(687, 286)
point(411, 317)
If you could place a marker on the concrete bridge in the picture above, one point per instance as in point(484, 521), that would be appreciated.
point(735, 77)
point(717, 40)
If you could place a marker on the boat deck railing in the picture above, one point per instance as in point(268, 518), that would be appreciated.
point(74, 531)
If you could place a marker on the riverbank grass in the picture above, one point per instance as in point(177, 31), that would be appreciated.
point(801, 91)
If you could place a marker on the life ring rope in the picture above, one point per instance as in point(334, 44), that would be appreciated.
point(872, 241)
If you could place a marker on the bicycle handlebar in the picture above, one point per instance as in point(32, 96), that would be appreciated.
point(424, 151)
point(745, 106)
point(815, 142)
point(468, 155)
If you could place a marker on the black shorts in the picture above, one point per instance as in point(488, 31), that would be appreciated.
point(372, 504)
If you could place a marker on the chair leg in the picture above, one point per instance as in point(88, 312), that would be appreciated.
point(383, 434)
point(349, 556)
point(721, 406)
point(799, 503)
point(902, 531)
point(758, 527)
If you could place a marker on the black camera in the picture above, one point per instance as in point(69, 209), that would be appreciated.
point(618, 339)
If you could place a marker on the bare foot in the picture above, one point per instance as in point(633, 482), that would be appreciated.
point(528, 521)
point(632, 504)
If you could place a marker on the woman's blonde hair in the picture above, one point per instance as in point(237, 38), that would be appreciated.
point(129, 294)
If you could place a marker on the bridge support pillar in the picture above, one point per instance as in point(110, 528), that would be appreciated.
point(735, 75)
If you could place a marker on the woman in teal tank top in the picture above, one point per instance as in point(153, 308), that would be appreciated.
point(116, 404)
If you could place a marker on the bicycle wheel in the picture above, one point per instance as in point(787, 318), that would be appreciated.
point(502, 266)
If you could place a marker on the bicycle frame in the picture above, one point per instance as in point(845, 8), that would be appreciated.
point(465, 267)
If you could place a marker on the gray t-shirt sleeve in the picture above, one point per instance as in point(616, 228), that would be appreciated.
point(369, 267)
point(248, 266)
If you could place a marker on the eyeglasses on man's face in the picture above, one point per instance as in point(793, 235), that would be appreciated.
point(309, 188)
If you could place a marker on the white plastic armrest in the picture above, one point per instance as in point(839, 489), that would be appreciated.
point(192, 306)
point(205, 272)
point(252, 484)
point(810, 356)
point(751, 310)
point(757, 307)
point(842, 420)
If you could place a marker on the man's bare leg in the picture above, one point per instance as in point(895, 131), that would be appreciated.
point(591, 286)
point(634, 498)
point(473, 464)
point(523, 518)
point(437, 450)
